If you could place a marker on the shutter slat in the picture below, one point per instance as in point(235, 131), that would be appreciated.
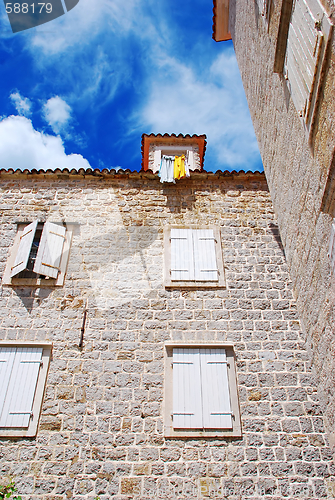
point(217, 412)
point(204, 255)
point(182, 265)
point(187, 411)
point(23, 251)
point(21, 389)
point(50, 250)
point(7, 356)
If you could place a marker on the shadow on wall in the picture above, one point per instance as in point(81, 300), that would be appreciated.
point(275, 231)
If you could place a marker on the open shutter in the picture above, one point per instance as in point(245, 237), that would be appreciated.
point(305, 46)
point(22, 256)
point(187, 407)
point(19, 399)
point(217, 412)
point(50, 250)
point(157, 160)
point(190, 159)
point(182, 260)
point(205, 264)
point(7, 355)
point(331, 252)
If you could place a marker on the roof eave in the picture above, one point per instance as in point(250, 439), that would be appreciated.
point(221, 20)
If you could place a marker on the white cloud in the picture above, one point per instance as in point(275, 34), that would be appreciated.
point(57, 113)
point(212, 103)
point(22, 104)
point(23, 147)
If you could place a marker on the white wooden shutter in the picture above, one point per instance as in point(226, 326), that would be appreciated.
point(190, 159)
point(50, 250)
point(331, 252)
point(157, 160)
point(16, 411)
point(187, 408)
point(22, 256)
point(217, 412)
point(182, 259)
point(205, 265)
point(7, 355)
point(304, 48)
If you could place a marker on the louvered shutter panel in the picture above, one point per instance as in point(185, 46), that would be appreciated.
point(187, 409)
point(332, 247)
point(157, 160)
point(215, 389)
point(7, 355)
point(303, 51)
point(190, 159)
point(50, 250)
point(22, 256)
point(182, 263)
point(205, 265)
point(19, 399)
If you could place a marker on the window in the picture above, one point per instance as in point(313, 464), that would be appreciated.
point(331, 252)
point(308, 35)
point(200, 391)
point(23, 371)
point(193, 257)
point(39, 254)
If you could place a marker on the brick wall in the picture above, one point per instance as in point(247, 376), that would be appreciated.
point(297, 168)
point(101, 428)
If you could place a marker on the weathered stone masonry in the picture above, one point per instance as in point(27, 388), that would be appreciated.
point(101, 428)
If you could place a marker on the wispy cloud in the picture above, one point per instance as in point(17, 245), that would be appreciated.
point(211, 103)
point(22, 104)
point(57, 113)
point(23, 147)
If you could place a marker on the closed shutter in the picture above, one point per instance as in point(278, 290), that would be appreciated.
point(22, 256)
point(182, 258)
point(187, 409)
point(204, 255)
point(7, 355)
point(50, 250)
point(304, 48)
point(332, 247)
point(217, 412)
point(18, 403)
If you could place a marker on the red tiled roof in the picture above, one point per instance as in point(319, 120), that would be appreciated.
point(119, 173)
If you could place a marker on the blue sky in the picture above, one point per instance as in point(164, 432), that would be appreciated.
point(80, 90)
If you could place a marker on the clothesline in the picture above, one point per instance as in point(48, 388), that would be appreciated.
point(174, 167)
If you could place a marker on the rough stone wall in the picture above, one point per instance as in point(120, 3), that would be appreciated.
point(101, 429)
point(297, 171)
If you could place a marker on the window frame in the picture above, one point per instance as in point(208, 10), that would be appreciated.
point(31, 431)
point(169, 283)
point(325, 27)
point(59, 281)
point(169, 430)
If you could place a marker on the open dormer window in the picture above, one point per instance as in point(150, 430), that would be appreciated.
point(173, 157)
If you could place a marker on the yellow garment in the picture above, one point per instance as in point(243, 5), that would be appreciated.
point(179, 167)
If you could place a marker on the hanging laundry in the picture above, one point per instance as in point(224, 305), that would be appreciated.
point(166, 169)
point(179, 167)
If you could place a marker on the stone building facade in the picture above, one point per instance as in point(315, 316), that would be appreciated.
point(101, 428)
point(297, 153)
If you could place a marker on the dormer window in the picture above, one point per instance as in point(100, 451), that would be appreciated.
point(173, 157)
